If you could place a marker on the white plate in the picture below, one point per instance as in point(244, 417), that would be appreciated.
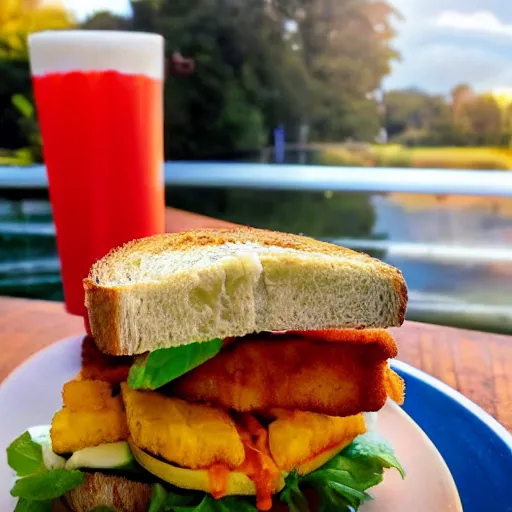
point(32, 393)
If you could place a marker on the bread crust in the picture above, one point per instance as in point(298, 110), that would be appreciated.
point(112, 491)
point(106, 299)
point(188, 240)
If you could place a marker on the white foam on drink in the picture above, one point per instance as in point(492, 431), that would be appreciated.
point(131, 53)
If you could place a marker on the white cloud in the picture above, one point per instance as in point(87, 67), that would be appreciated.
point(439, 67)
point(481, 21)
point(84, 8)
point(447, 42)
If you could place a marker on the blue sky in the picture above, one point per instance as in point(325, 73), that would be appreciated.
point(442, 42)
point(446, 42)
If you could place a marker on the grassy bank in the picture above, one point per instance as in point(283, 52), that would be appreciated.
point(395, 155)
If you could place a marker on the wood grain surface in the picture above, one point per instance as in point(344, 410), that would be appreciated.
point(477, 364)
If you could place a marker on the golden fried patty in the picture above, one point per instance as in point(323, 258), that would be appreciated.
point(190, 435)
point(338, 373)
point(90, 416)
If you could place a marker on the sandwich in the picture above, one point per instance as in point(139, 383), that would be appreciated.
point(224, 370)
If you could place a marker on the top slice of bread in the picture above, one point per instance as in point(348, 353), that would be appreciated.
point(174, 289)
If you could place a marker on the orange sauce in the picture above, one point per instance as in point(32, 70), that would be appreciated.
point(258, 465)
point(218, 475)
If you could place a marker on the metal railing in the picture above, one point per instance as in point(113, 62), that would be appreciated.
point(24, 182)
point(302, 177)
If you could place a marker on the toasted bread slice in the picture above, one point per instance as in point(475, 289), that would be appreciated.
point(175, 289)
point(109, 491)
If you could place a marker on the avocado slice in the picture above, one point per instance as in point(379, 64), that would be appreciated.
point(105, 456)
point(41, 435)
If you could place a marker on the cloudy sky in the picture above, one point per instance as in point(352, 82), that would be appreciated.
point(446, 42)
point(83, 8)
point(442, 42)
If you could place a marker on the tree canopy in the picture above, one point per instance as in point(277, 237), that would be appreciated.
point(464, 118)
point(314, 67)
point(18, 19)
point(260, 64)
point(257, 65)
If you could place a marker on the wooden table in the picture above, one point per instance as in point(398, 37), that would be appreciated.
point(479, 365)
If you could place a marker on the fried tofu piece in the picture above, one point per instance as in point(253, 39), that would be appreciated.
point(74, 430)
point(338, 373)
point(296, 437)
point(190, 435)
point(99, 366)
point(87, 395)
point(91, 416)
point(395, 386)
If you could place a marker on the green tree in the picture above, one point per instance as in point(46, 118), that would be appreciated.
point(461, 94)
point(507, 124)
point(19, 18)
point(105, 20)
point(15, 79)
point(259, 64)
point(414, 117)
point(346, 49)
point(246, 80)
point(480, 121)
point(317, 214)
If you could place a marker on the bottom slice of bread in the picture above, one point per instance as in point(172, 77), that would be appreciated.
point(110, 491)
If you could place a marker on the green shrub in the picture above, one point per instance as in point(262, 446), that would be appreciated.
point(342, 157)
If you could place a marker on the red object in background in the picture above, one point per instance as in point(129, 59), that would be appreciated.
point(179, 65)
point(103, 148)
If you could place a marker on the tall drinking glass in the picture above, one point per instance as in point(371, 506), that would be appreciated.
point(99, 98)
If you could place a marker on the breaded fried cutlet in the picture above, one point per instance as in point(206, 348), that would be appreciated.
point(294, 437)
point(190, 435)
point(90, 416)
point(338, 373)
point(99, 366)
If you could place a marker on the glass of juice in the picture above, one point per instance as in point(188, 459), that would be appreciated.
point(99, 99)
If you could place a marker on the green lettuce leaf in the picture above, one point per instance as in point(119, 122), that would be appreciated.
point(206, 505)
point(33, 506)
point(228, 504)
point(25, 456)
point(341, 483)
point(158, 495)
point(292, 495)
point(236, 503)
point(161, 366)
point(47, 485)
point(373, 447)
point(163, 500)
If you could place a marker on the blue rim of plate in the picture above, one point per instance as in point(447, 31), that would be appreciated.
point(476, 448)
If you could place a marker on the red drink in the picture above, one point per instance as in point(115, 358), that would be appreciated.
point(102, 130)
